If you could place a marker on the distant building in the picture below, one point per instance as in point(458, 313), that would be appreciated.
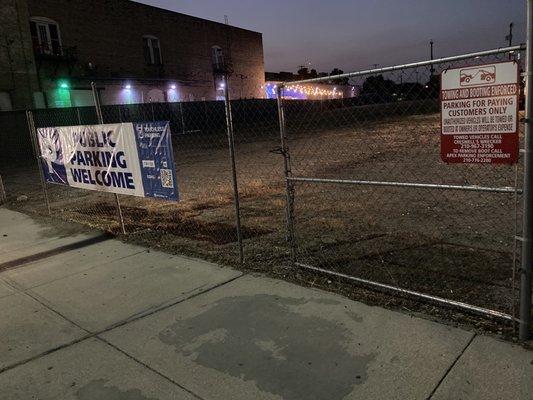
point(51, 50)
point(307, 91)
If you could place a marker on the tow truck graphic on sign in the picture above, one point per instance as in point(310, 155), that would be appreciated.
point(478, 76)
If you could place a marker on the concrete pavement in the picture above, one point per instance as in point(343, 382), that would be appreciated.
point(88, 370)
point(265, 339)
point(116, 321)
point(22, 236)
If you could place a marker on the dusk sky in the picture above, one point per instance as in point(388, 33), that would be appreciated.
point(354, 34)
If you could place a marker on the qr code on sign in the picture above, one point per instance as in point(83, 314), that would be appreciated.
point(166, 178)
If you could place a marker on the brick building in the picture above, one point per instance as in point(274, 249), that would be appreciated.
point(52, 49)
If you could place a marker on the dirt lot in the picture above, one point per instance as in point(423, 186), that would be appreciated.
point(453, 244)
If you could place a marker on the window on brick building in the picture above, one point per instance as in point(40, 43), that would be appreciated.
point(152, 50)
point(45, 36)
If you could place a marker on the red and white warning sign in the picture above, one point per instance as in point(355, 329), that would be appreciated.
point(479, 114)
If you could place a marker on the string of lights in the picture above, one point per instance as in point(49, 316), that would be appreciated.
point(313, 91)
point(304, 91)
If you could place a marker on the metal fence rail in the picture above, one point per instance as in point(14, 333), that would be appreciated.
point(409, 185)
point(425, 63)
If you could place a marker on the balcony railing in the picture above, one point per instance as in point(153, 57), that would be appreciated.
point(55, 53)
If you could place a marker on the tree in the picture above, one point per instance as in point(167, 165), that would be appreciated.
point(303, 73)
point(337, 71)
point(377, 83)
point(410, 91)
point(377, 89)
point(341, 81)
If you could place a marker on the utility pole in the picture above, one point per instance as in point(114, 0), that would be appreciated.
point(227, 54)
point(432, 69)
point(509, 38)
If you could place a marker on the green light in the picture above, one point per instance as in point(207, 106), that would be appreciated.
point(60, 96)
point(63, 84)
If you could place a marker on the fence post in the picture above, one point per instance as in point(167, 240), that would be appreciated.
point(289, 186)
point(527, 238)
point(182, 117)
point(37, 153)
point(101, 121)
point(231, 145)
point(3, 197)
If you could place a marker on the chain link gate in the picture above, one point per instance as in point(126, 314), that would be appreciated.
point(369, 200)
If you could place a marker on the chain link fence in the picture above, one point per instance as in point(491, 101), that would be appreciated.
point(370, 200)
point(355, 189)
point(203, 222)
point(19, 172)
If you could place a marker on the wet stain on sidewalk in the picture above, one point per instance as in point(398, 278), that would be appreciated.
point(264, 339)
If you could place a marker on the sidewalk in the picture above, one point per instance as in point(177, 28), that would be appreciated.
point(114, 321)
